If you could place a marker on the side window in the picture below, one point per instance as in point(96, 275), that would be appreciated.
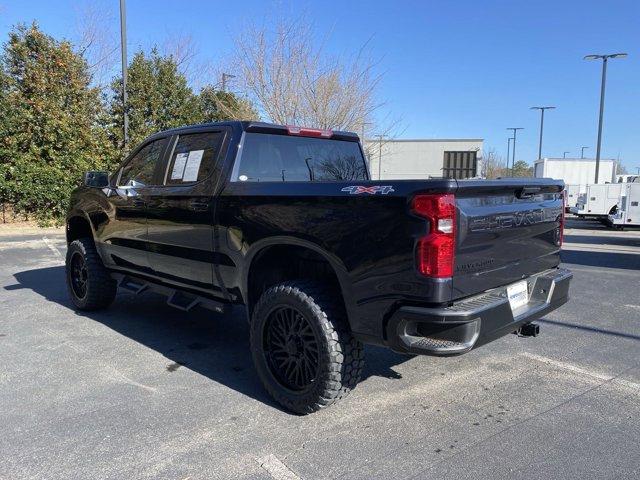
point(139, 170)
point(194, 157)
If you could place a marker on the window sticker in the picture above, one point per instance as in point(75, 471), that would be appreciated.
point(193, 166)
point(178, 166)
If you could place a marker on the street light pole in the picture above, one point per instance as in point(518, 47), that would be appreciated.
point(604, 59)
point(508, 150)
point(542, 109)
point(564, 154)
point(123, 51)
point(582, 151)
point(515, 130)
point(602, 86)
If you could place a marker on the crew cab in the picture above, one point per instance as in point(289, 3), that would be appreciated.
point(285, 221)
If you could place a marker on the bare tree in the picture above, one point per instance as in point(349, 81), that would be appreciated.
point(288, 75)
point(342, 168)
point(186, 53)
point(97, 41)
point(182, 48)
point(493, 165)
point(621, 169)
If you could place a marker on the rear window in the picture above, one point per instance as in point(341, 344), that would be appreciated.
point(283, 158)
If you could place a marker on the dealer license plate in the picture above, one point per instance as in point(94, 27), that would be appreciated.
point(518, 294)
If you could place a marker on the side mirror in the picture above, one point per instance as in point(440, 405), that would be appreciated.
point(96, 179)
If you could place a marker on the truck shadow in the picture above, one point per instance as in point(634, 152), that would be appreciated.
point(612, 239)
point(625, 261)
point(213, 345)
point(584, 224)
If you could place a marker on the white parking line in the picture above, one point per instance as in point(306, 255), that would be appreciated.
point(582, 371)
point(19, 245)
point(277, 469)
point(117, 375)
point(567, 366)
point(52, 247)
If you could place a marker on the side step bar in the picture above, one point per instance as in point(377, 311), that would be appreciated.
point(183, 301)
point(133, 286)
point(179, 299)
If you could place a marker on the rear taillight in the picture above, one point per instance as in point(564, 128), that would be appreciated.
point(435, 252)
point(309, 132)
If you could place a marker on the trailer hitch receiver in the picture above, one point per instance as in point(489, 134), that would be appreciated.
point(529, 330)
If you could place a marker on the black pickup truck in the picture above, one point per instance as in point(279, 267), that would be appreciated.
point(285, 221)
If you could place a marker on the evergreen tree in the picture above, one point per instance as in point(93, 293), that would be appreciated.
point(158, 98)
point(48, 129)
point(54, 126)
point(522, 169)
point(217, 105)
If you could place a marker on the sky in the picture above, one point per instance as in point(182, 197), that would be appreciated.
point(449, 69)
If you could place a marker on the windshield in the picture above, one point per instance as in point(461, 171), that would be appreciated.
point(283, 158)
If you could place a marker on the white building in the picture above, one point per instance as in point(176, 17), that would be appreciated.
point(424, 158)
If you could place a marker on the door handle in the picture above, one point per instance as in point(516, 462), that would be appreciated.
point(199, 205)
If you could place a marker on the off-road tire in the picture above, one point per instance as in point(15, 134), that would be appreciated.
point(100, 287)
point(340, 355)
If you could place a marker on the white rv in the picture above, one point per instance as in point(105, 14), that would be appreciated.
point(599, 200)
point(628, 211)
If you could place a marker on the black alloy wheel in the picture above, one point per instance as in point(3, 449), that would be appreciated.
point(302, 346)
point(78, 275)
point(291, 348)
point(89, 283)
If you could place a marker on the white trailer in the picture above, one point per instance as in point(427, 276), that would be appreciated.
point(576, 171)
point(572, 194)
point(599, 200)
point(628, 212)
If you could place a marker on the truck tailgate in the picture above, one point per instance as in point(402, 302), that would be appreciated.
point(507, 230)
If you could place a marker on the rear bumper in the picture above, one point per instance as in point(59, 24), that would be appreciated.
point(474, 321)
point(577, 210)
point(615, 219)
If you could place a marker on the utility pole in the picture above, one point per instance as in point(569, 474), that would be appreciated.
point(604, 59)
point(542, 109)
point(123, 50)
point(364, 124)
point(508, 150)
point(515, 130)
point(224, 80)
point(380, 137)
point(582, 151)
point(367, 155)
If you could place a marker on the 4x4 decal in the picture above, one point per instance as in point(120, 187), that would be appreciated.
point(358, 189)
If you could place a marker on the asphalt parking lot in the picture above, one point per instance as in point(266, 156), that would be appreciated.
point(146, 391)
